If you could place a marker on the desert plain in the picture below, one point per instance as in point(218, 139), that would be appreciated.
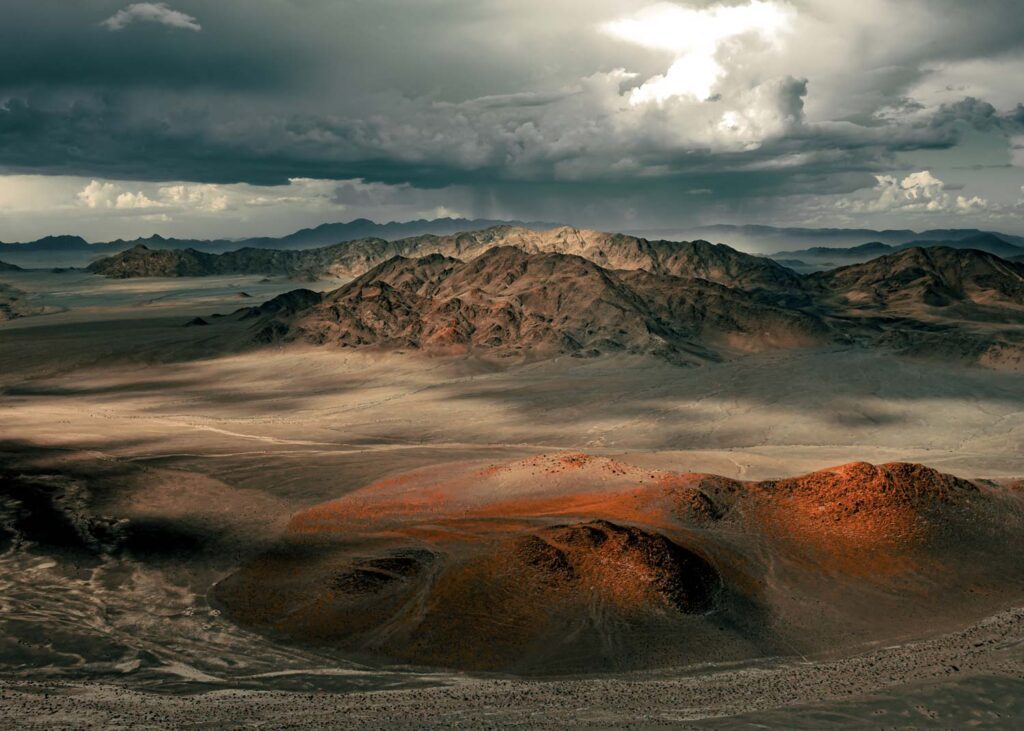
point(168, 470)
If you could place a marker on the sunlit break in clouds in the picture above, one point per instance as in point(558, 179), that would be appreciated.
point(695, 36)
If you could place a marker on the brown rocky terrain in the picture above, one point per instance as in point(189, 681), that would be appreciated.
point(575, 563)
point(509, 291)
point(829, 257)
point(954, 304)
point(141, 261)
point(949, 304)
point(934, 277)
point(508, 302)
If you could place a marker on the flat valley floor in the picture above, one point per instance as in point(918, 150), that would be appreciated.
point(213, 449)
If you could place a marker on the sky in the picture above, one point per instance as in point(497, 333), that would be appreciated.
point(235, 118)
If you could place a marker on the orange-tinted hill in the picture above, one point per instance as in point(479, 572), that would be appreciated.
point(573, 563)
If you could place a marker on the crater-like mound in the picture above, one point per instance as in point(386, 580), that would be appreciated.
point(574, 563)
point(861, 518)
point(895, 502)
point(631, 566)
point(552, 598)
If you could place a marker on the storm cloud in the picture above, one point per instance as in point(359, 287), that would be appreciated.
point(606, 111)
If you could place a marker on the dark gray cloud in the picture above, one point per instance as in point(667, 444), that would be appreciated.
point(64, 48)
point(526, 104)
point(979, 114)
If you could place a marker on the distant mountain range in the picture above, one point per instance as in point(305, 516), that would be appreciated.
point(687, 302)
point(776, 241)
point(511, 291)
point(74, 251)
point(716, 263)
point(820, 257)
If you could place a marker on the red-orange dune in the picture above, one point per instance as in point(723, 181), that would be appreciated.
point(859, 518)
point(562, 561)
point(850, 513)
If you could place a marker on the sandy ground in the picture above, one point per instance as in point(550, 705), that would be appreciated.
point(969, 679)
point(118, 377)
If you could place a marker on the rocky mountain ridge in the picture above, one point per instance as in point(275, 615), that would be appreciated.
point(714, 262)
point(960, 304)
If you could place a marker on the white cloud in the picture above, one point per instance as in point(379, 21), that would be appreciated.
point(135, 200)
point(106, 209)
point(151, 13)
point(303, 191)
point(610, 124)
point(695, 37)
point(919, 192)
point(972, 204)
point(98, 195)
point(200, 197)
point(109, 195)
point(591, 131)
point(205, 198)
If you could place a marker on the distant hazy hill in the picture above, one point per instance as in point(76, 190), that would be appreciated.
point(74, 251)
point(820, 257)
point(787, 242)
point(67, 251)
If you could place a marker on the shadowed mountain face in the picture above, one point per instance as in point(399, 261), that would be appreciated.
point(950, 304)
point(576, 563)
point(696, 259)
point(141, 261)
